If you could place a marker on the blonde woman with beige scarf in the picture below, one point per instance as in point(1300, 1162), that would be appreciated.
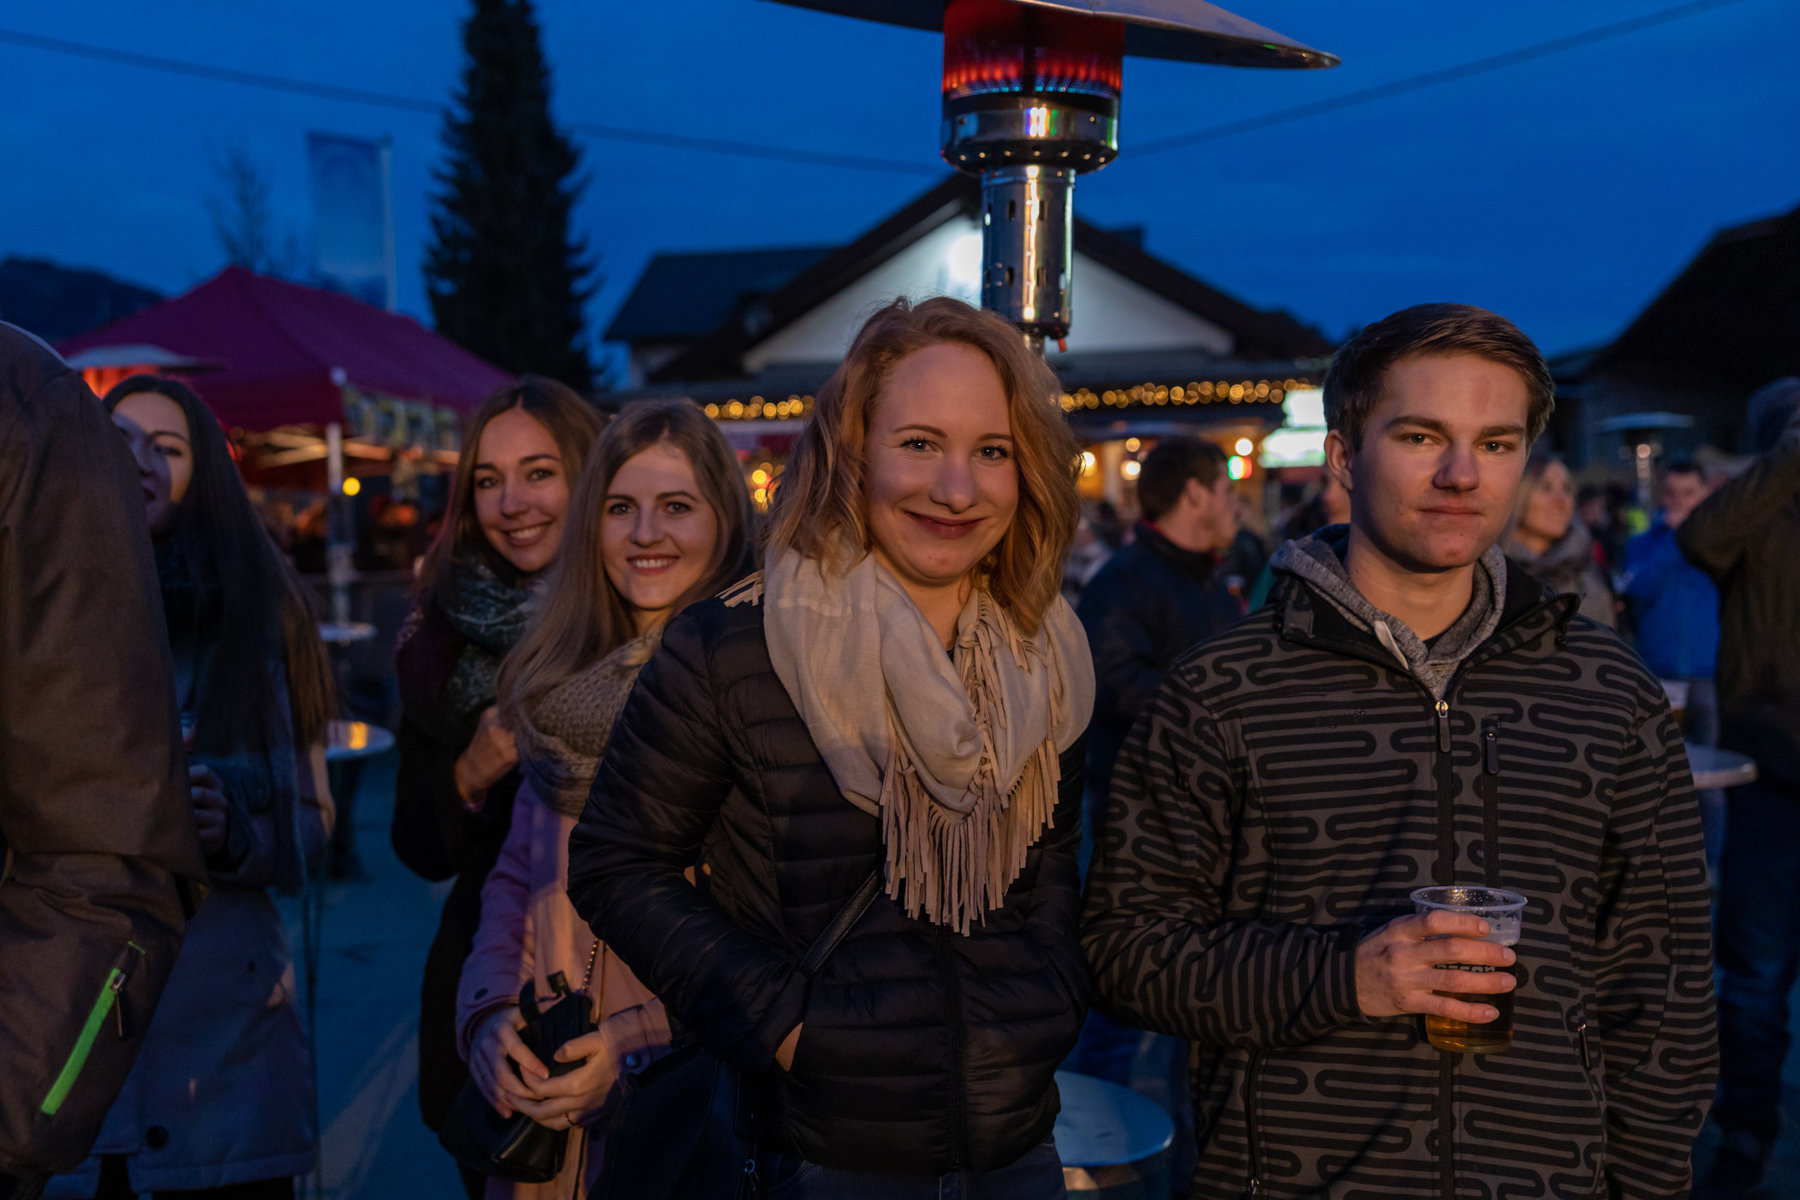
point(903, 690)
point(657, 520)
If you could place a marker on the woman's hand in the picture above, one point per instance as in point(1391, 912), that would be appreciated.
point(207, 794)
point(784, 1053)
point(568, 1099)
point(490, 755)
point(498, 1041)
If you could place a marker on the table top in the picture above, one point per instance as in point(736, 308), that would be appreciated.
point(1103, 1124)
point(344, 633)
point(1715, 768)
point(349, 740)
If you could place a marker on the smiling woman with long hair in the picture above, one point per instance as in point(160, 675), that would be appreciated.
point(903, 692)
point(657, 521)
point(458, 764)
point(220, 1102)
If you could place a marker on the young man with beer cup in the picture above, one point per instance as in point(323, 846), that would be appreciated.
point(1412, 713)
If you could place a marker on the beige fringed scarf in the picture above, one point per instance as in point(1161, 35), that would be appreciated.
point(561, 742)
point(957, 754)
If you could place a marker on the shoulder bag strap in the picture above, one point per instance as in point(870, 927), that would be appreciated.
point(841, 924)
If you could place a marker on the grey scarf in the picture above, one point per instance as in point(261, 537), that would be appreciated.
point(562, 740)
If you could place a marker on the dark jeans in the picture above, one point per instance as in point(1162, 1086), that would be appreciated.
point(1036, 1176)
point(1759, 953)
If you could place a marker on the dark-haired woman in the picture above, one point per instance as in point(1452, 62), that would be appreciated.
point(458, 764)
point(903, 690)
point(219, 1102)
point(658, 520)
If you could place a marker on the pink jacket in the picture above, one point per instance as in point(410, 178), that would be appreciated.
point(529, 930)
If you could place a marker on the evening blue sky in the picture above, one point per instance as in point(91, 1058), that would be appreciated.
point(1563, 192)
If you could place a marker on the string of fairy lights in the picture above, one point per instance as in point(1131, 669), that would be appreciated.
point(1143, 395)
point(766, 474)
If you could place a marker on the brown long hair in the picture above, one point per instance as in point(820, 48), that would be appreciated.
point(821, 510)
point(261, 606)
point(572, 422)
point(582, 617)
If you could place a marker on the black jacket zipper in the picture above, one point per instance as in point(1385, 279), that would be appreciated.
point(958, 1119)
point(1253, 1188)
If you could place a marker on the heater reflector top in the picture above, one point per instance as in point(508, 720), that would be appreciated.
point(1182, 30)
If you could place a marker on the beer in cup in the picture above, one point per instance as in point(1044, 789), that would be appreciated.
point(1503, 911)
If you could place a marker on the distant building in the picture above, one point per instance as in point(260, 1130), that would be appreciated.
point(752, 334)
point(1677, 378)
point(59, 302)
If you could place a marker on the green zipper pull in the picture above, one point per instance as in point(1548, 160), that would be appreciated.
point(104, 1004)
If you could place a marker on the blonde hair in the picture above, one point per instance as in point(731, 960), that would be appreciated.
point(820, 508)
point(582, 617)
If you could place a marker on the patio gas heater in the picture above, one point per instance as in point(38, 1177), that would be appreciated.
point(1031, 100)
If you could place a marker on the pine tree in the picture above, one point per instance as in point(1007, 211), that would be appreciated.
point(505, 275)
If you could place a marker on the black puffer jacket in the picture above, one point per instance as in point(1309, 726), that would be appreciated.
point(924, 1051)
point(1281, 796)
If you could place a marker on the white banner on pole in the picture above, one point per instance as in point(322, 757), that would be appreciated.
point(352, 216)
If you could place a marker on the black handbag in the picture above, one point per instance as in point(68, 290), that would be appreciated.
point(517, 1148)
point(686, 1128)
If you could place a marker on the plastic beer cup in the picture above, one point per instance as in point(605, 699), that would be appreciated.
point(1504, 912)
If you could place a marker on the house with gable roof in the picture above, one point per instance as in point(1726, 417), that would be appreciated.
point(1153, 351)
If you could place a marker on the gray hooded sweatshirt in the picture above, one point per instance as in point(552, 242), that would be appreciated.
point(1319, 560)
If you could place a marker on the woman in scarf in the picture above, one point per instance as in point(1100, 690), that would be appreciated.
point(904, 691)
point(1547, 540)
point(658, 520)
point(220, 1100)
point(458, 764)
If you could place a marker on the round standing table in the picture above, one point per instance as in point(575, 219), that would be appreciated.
point(1715, 768)
point(351, 740)
point(1113, 1142)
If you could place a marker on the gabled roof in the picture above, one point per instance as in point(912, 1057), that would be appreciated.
point(683, 296)
point(720, 354)
point(286, 348)
point(1729, 322)
point(56, 302)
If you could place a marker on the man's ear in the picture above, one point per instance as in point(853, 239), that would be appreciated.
point(1338, 456)
point(1195, 493)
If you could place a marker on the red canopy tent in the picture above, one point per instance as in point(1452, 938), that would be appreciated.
point(290, 351)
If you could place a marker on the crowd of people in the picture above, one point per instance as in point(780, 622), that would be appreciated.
point(793, 857)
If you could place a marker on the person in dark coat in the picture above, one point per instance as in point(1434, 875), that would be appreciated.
point(102, 860)
point(1412, 709)
point(220, 1105)
point(1745, 536)
point(1155, 598)
point(458, 763)
point(836, 716)
point(1159, 595)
